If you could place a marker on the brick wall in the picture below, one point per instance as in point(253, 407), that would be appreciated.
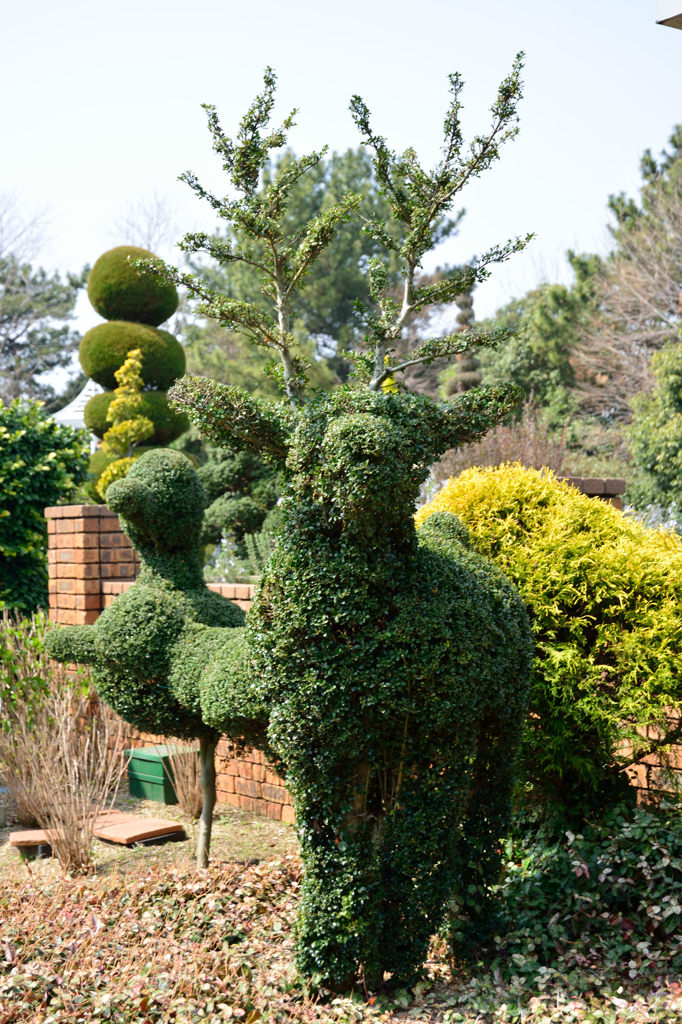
point(606, 490)
point(90, 562)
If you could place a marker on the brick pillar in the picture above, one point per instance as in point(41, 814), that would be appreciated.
point(609, 490)
point(86, 548)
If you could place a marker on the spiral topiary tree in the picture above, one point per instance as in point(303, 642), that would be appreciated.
point(135, 304)
point(389, 670)
point(128, 426)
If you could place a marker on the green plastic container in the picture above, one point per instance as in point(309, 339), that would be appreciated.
point(148, 779)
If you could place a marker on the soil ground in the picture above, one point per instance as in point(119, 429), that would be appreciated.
point(238, 836)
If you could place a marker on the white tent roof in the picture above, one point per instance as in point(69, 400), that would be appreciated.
point(72, 414)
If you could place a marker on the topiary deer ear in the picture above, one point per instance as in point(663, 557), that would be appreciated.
point(469, 416)
point(231, 418)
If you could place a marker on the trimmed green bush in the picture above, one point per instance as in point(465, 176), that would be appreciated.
point(41, 463)
point(168, 424)
point(119, 292)
point(394, 671)
point(604, 596)
point(104, 349)
point(148, 650)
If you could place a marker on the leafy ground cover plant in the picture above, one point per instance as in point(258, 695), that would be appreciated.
point(163, 944)
point(604, 598)
point(41, 463)
point(603, 905)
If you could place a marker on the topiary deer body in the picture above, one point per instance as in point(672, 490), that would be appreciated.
point(394, 667)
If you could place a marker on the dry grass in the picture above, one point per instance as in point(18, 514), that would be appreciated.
point(61, 752)
point(528, 441)
point(66, 753)
point(185, 775)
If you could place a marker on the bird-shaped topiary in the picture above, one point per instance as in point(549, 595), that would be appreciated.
point(158, 650)
point(134, 304)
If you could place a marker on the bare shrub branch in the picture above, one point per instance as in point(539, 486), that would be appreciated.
point(185, 775)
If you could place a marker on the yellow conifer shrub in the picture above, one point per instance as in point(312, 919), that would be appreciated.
point(129, 427)
point(604, 595)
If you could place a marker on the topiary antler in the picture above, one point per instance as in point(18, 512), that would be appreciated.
point(469, 416)
point(230, 417)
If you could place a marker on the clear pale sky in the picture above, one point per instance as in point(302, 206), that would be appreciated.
point(102, 106)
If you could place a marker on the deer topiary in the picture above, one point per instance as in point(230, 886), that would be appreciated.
point(389, 668)
point(394, 668)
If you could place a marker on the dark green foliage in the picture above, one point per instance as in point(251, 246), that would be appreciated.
point(604, 904)
point(118, 291)
point(385, 667)
point(168, 424)
point(229, 703)
point(104, 348)
point(41, 464)
point(233, 419)
point(242, 490)
point(32, 303)
point(655, 434)
point(132, 646)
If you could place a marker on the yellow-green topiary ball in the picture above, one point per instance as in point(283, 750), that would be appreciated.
point(103, 351)
point(118, 291)
point(167, 424)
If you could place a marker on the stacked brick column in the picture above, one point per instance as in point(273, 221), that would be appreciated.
point(594, 487)
point(86, 550)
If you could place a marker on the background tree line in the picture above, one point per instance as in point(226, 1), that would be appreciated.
point(599, 360)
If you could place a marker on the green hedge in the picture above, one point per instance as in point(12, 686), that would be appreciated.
point(104, 349)
point(167, 423)
point(41, 463)
point(118, 291)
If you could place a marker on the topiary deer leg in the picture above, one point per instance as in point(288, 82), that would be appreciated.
point(207, 749)
point(417, 875)
point(485, 825)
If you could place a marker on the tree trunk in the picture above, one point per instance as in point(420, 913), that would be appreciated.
point(207, 748)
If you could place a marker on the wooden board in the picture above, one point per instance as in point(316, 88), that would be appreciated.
point(31, 837)
point(137, 830)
